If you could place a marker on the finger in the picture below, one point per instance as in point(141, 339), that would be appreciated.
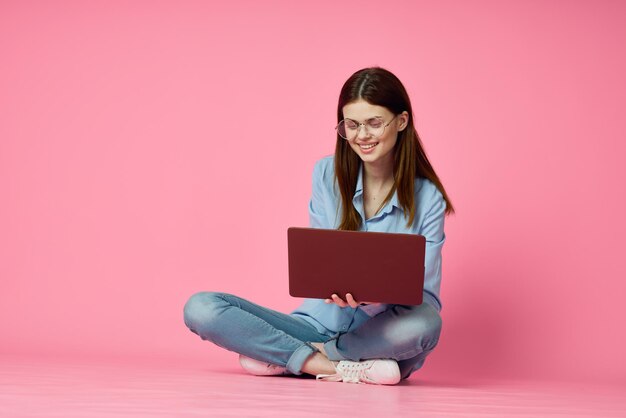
point(353, 303)
point(339, 301)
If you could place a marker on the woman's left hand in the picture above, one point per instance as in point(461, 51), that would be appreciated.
point(348, 302)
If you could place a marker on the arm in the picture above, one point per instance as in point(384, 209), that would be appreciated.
point(317, 214)
point(433, 229)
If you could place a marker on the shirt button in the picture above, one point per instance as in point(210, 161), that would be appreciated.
point(344, 327)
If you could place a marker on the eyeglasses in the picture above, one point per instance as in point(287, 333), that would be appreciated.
point(374, 127)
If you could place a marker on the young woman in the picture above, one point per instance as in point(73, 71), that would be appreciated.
point(378, 180)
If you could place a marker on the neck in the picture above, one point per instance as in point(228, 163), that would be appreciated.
point(377, 183)
point(378, 174)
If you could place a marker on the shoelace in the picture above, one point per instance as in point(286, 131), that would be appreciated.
point(349, 372)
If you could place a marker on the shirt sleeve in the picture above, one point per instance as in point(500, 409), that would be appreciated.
point(317, 214)
point(432, 229)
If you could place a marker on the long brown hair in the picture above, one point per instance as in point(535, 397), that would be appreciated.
point(380, 87)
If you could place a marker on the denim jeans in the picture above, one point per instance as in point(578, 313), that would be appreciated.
point(406, 334)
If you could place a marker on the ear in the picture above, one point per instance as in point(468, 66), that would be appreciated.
point(404, 120)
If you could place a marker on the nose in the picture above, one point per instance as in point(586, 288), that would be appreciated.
point(362, 132)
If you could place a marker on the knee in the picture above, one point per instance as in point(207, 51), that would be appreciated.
point(430, 321)
point(202, 309)
point(421, 327)
point(428, 325)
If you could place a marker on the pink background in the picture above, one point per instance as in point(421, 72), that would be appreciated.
point(149, 150)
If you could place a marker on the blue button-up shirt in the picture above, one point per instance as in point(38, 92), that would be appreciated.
point(325, 212)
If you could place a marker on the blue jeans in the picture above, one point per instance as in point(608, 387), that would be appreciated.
point(406, 334)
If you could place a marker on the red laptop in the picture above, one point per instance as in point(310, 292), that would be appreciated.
point(373, 266)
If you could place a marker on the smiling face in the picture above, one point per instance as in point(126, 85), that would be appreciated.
point(374, 150)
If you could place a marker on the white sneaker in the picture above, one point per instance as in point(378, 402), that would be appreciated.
point(375, 372)
point(259, 368)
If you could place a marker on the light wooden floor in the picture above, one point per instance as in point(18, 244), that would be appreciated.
point(40, 388)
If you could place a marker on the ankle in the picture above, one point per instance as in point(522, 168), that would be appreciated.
point(318, 363)
point(320, 347)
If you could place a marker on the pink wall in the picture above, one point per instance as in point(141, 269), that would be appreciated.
point(148, 151)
